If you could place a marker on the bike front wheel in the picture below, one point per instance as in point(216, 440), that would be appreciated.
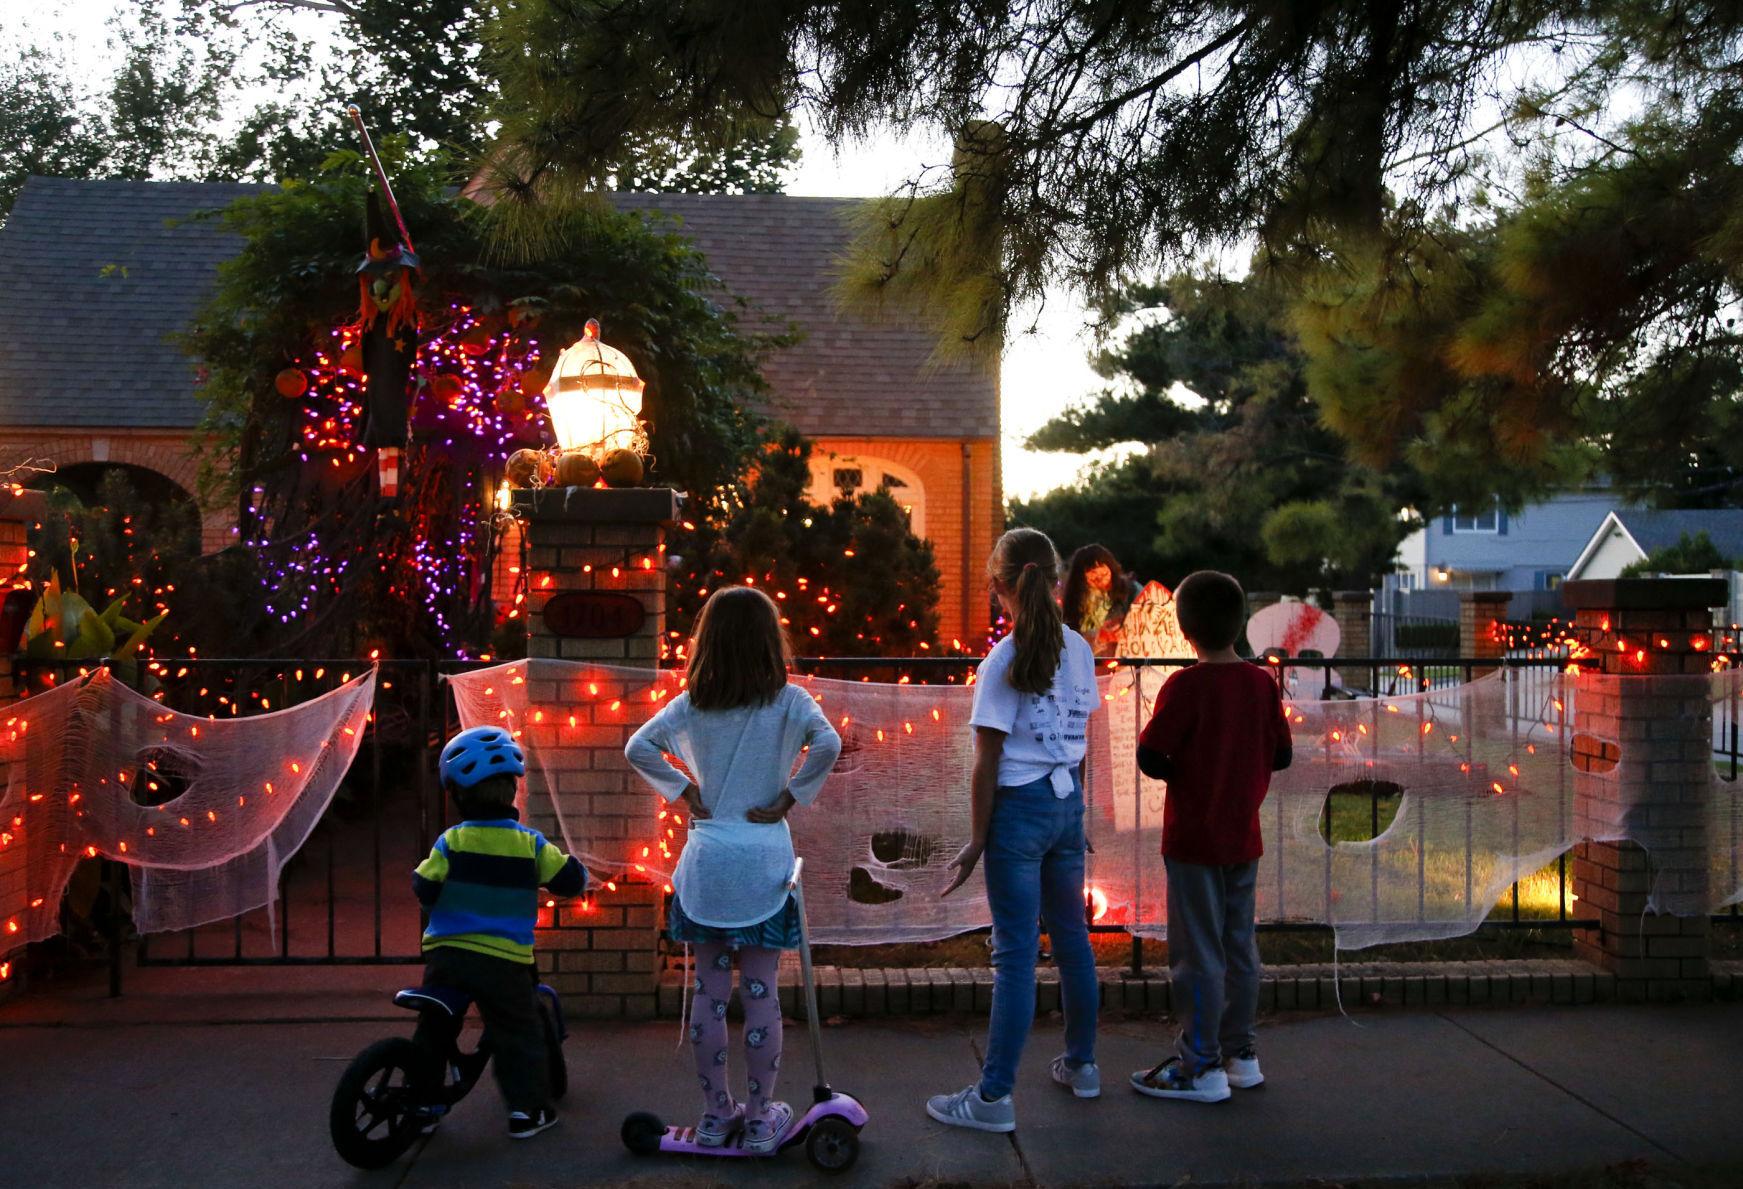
point(375, 1115)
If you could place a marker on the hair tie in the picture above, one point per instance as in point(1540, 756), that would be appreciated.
point(1028, 565)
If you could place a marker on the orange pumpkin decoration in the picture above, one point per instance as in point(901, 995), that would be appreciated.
point(534, 380)
point(351, 360)
point(447, 388)
point(523, 467)
point(510, 399)
point(475, 341)
point(576, 469)
point(621, 468)
point(291, 383)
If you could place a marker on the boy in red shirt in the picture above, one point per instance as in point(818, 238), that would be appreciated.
point(1217, 734)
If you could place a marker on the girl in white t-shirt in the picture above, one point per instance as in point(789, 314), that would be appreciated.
point(738, 727)
point(1033, 696)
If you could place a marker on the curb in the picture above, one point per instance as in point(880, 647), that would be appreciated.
point(873, 993)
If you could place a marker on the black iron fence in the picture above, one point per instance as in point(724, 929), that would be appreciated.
point(1417, 637)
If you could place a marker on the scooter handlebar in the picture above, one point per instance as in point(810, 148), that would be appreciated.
point(793, 879)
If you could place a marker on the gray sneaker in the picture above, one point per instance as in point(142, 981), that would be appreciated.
point(1084, 1081)
point(967, 1108)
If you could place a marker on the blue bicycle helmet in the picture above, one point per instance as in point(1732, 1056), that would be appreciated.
point(479, 753)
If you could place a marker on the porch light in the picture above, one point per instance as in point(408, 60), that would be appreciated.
point(1442, 576)
point(595, 398)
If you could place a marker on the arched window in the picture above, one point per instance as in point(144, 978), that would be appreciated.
point(835, 475)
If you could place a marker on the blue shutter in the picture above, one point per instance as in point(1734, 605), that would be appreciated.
point(1446, 526)
point(1501, 521)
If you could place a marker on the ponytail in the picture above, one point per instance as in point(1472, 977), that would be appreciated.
point(1026, 565)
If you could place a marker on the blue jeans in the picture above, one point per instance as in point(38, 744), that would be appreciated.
point(1034, 869)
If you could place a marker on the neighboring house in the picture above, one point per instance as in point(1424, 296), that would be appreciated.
point(96, 277)
point(1531, 550)
point(1627, 536)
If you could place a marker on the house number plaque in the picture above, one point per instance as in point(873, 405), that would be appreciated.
point(594, 614)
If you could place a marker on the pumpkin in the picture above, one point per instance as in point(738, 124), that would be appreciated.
point(521, 468)
point(621, 468)
point(511, 400)
point(534, 380)
point(475, 341)
point(446, 388)
point(351, 360)
point(290, 383)
point(576, 469)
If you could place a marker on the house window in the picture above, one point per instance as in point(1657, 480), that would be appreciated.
point(1482, 522)
point(834, 476)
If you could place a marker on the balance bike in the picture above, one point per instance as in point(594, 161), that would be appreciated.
point(829, 1131)
point(397, 1089)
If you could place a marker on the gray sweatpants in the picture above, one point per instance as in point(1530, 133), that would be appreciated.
point(1213, 960)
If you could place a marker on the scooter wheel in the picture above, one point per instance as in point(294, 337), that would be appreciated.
point(642, 1133)
point(833, 1144)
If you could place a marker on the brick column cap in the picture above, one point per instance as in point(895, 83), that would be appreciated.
point(28, 505)
point(1644, 594)
point(590, 505)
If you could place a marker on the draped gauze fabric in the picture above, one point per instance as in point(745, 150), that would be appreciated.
point(82, 761)
point(1483, 776)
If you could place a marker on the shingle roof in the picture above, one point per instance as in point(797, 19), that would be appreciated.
point(92, 281)
point(1658, 530)
point(850, 374)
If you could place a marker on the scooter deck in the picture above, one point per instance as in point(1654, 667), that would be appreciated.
point(683, 1139)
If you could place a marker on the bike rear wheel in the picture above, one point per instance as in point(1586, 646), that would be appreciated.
point(374, 1116)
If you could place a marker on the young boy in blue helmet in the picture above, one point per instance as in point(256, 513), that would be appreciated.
point(481, 884)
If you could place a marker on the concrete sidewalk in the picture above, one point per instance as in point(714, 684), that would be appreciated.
point(136, 1094)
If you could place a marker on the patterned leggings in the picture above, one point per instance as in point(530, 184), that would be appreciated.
point(759, 997)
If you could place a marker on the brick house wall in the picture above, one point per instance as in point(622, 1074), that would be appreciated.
point(169, 453)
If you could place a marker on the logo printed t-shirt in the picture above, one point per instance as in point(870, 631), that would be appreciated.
point(1047, 734)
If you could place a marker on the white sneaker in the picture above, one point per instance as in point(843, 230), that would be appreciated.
point(1168, 1080)
point(967, 1108)
point(1084, 1081)
point(1243, 1069)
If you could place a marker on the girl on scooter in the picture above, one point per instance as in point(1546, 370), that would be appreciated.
point(738, 727)
point(1033, 696)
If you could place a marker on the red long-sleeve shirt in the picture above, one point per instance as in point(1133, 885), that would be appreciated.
point(1216, 735)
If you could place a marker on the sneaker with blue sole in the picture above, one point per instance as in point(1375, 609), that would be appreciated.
point(1170, 1080)
point(966, 1108)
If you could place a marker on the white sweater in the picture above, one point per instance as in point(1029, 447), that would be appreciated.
point(734, 872)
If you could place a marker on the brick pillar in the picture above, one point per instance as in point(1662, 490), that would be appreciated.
point(600, 954)
point(1642, 757)
point(1354, 612)
point(19, 511)
point(1479, 613)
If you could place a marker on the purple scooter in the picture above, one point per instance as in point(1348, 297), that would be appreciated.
point(829, 1131)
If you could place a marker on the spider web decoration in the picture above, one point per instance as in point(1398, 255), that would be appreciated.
point(80, 760)
point(1489, 792)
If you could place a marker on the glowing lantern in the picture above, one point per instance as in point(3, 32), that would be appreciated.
point(595, 398)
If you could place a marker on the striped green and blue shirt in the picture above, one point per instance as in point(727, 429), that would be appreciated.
point(481, 884)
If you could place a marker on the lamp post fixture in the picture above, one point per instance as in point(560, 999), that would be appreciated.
point(595, 400)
